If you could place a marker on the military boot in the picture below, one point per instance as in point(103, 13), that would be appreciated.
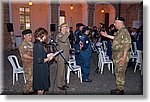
point(117, 92)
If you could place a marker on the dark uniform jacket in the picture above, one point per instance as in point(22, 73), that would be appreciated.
point(86, 43)
point(78, 34)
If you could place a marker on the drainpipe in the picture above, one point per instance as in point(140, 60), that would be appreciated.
point(10, 21)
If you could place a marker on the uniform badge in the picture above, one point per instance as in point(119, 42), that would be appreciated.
point(25, 47)
point(60, 36)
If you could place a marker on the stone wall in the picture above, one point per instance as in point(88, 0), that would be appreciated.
point(131, 13)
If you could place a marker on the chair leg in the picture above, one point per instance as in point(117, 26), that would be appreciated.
point(100, 64)
point(24, 78)
point(16, 76)
point(112, 68)
point(68, 75)
point(80, 75)
point(109, 66)
point(135, 67)
point(141, 68)
point(141, 71)
point(132, 59)
point(13, 78)
point(102, 68)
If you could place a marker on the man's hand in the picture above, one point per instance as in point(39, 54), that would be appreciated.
point(50, 56)
point(122, 60)
point(103, 33)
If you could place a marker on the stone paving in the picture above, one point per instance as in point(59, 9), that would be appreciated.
point(101, 83)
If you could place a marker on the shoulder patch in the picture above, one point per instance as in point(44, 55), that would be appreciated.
point(87, 41)
point(25, 47)
point(60, 36)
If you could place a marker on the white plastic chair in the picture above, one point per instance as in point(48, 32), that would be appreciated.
point(139, 62)
point(133, 52)
point(74, 67)
point(104, 60)
point(105, 46)
point(16, 68)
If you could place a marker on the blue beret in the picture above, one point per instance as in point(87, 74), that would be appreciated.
point(85, 29)
point(79, 24)
point(27, 31)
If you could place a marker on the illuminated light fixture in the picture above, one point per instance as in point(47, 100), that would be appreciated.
point(71, 7)
point(102, 10)
point(30, 3)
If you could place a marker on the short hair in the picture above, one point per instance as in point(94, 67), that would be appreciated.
point(40, 32)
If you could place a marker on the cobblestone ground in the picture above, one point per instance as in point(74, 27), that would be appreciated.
point(101, 83)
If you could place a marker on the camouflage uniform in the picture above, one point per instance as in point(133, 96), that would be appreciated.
point(63, 42)
point(121, 42)
point(27, 48)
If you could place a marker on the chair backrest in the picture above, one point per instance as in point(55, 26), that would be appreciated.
point(133, 48)
point(105, 45)
point(71, 57)
point(140, 57)
point(102, 56)
point(14, 62)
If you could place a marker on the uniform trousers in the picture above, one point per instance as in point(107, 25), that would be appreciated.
point(61, 73)
point(85, 64)
point(29, 78)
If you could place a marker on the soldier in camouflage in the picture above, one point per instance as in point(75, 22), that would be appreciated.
point(120, 53)
point(26, 52)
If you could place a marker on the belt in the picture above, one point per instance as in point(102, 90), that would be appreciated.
point(118, 50)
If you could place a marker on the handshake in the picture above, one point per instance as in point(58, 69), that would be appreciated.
point(50, 56)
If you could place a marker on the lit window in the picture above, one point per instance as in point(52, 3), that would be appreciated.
point(25, 22)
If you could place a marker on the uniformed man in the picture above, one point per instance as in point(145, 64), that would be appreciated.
point(120, 53)
point(78, 34)
point(63, 41)
point(26, 52)
point(85, 54)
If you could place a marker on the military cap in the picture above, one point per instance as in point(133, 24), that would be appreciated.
point(79, 24)
point(26, 31)
point(63, 25)
point(102, 24)
point(120, 18)
point(85, 29)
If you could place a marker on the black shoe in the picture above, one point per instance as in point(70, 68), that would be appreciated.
point(97, 71)
point(30, 93)
point(117, 92)
point(113, 91)
point(25, 93)
point(65, 86)
point(87, 80)
point(62, 88)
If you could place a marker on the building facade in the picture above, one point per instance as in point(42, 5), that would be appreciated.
point(51, 13)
